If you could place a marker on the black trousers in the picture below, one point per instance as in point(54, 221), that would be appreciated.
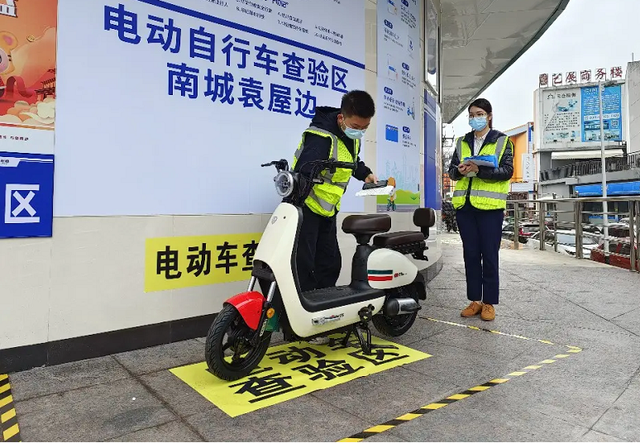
point(318, 257)
point(481, 233)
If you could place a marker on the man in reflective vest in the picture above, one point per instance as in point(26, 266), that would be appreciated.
point(482, 165)
point(333, 133)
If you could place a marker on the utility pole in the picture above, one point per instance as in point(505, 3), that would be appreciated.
point(605, 206)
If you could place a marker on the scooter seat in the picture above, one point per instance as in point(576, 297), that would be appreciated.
point(366, 224)
point(395, 239)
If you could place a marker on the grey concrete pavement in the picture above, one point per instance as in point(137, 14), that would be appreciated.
point(593, 395)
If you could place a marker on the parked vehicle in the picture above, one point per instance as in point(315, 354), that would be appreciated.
point(386, 285)
point(526, 230)
point(566, 242)
point(622, 259)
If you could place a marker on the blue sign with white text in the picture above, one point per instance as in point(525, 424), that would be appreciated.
point(26, 195)
point(612, 115)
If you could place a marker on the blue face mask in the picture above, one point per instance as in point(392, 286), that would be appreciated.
point(478, 123)
point(354, 133)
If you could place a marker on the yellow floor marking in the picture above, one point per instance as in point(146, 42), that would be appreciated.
point(499, 380)
point(479, 388)
point(7, 415)
point(379, 428)
point(458, 397)
point(409, 416)
point(5, 401)
point(8, 433)
point(435, 406)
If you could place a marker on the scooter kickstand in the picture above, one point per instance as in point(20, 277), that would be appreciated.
point(365, 343)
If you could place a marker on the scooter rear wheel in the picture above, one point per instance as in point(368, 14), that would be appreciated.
point(245, 356)
point(397, 325)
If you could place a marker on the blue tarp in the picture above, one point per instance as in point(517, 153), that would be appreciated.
point(624, 188)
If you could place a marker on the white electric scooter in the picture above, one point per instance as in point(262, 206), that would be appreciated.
point(385, 288)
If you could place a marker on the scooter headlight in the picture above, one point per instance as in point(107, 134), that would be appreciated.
point(284, 183)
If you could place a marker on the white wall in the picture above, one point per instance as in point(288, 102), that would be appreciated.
point(633, 98)
point(89, 277)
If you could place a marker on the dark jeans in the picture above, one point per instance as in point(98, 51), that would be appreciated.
point(481, 233)
point(318, 256)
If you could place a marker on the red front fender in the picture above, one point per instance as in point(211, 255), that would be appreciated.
point(249, 305)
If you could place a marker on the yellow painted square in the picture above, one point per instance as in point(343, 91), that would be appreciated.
point(458, 397)
point(533, 367)
point(548, 362)
point(409, 416)
point(379, 428)
point(435, 406)
point(292, 370)
point(517, 373)
point(12, 431)
point(7, 415)
point(499, 380)
point(479, 388)
point(5, 401)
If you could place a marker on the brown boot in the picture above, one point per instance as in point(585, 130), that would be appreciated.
point(473, 309)
point(488, 312)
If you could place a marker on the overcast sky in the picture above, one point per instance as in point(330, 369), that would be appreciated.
point(589, 34)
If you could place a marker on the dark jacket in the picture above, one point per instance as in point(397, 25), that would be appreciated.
point(503, 172)
point(317, 147)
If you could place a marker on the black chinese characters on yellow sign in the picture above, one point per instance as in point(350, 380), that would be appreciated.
point(182, 262)
point(294, 369)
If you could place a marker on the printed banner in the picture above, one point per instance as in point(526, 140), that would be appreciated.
point(182, 262)
point(572, 115)
point(27, 114)
point(293, 370)
point(399, 109)
point(184, 100)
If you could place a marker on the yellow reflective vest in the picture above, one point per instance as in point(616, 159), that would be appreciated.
point(483, 194)
point(324, 199)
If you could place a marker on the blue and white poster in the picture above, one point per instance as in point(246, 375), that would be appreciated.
point(26, 195)
point(398, 102)
point(572, 114)
point(612, 114)
point(432, 159)
point(170, 107)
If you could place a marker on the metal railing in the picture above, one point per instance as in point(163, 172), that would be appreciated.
point(592, 167)
point(574, 227)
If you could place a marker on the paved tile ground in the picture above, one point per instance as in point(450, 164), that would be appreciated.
point(593, 395)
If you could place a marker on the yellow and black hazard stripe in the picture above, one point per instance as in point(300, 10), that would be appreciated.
point(386, 426)
point(9, 430)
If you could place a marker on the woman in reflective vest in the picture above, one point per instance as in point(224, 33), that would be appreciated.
point(482, 165)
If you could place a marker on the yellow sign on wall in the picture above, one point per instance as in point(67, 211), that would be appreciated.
point(182, 262)
point(292, 370)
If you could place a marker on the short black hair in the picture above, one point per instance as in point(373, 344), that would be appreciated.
point(485, 105)
point(357, 103)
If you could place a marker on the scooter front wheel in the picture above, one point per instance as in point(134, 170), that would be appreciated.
point(235, 357)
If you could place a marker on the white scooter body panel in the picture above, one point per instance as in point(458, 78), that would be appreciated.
point(390, 269)
point(275, 249)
